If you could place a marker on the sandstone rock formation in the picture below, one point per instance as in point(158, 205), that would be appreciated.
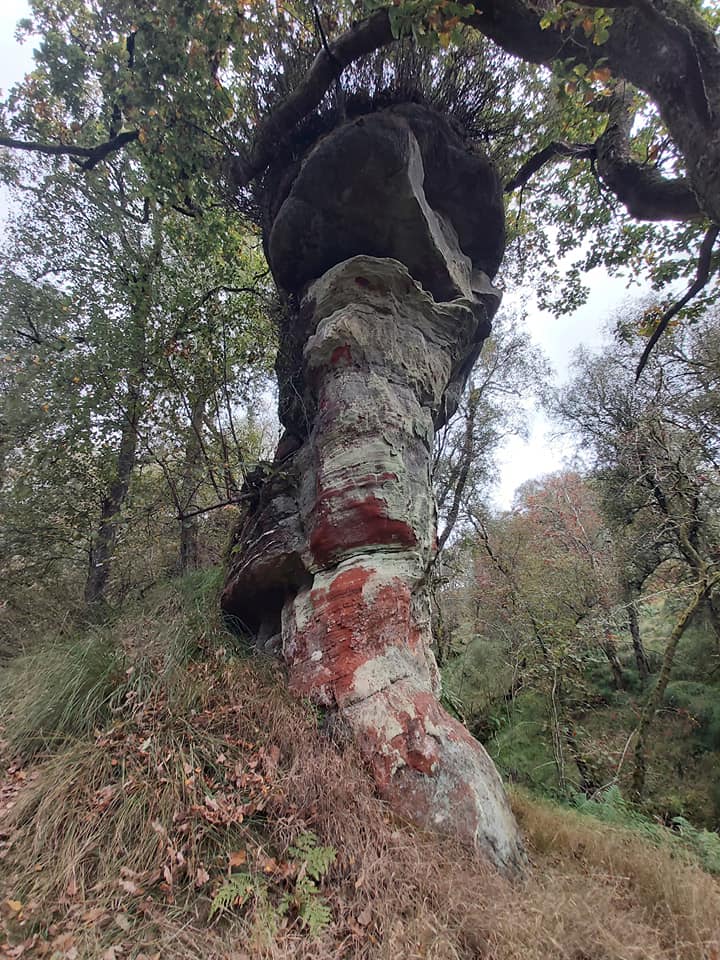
point(385, 236)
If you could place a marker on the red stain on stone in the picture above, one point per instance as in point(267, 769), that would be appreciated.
point(344, 522)
point(341, 356)
point(362, 281)
point(350, 629)
point(418, 750)
point(407, 774)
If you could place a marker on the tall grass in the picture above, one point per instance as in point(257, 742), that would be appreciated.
point(61, 689)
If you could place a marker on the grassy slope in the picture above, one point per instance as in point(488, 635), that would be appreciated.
point(145, 759)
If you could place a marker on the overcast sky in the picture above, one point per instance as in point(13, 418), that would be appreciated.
point(558, 337)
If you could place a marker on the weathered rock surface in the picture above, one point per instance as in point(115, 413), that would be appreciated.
point(334, 553)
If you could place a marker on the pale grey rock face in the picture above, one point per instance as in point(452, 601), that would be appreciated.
point(334, 552)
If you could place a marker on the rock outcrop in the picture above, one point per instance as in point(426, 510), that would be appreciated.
point(387, 237)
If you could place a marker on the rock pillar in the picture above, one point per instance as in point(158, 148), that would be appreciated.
point(331, 562)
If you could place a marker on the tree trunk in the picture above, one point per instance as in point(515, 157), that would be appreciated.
point(103, 544)
point(188, 558)
point(588, 781)
point(641, 660)
point(656, 696)
point(610, 651)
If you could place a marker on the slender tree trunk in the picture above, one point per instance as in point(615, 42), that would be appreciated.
point(588, 783)
point(189, 548)
point(712, 607)
point(610, 651)
point(557, 737)
point(463, 467)
point(657, 694)
point(643, 664)
point(103, 544)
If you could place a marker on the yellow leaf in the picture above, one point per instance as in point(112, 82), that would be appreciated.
point(237, 859)
point(14, 905)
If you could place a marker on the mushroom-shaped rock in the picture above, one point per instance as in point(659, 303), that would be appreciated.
point(388, 236)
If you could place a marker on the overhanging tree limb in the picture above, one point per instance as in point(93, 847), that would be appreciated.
point(644, 191)
point(90, 156)
point(361, 39)
point(702, 276)
point(640, 187)
point(553, 151)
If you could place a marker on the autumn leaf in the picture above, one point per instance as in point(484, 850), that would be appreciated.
point(129, 886)
point(365, 917)
point(237, 859)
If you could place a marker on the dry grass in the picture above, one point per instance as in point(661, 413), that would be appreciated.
point(117, 847)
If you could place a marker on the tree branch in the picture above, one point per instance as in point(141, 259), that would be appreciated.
point(701, 278)
point(233, 502)
point(553, 151)
point(643, 190)
point(361, 39)
point(92, 155)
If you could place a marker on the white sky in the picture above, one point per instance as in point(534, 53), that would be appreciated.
point(558, 337)
point(14, 59)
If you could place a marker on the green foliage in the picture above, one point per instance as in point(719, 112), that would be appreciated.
point(701, 703)
point(316, 860)
point(521, 747)
point(237, 891)
point(62, 689)
point(75, 677)
point(309, 864)
point(133, 341)
point(427, 21)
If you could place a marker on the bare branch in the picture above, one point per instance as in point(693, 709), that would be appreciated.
point(92, 155)
point(553, 151)
point(234, 501)
point(701, 278)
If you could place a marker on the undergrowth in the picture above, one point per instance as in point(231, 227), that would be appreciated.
point(194, 780)
point(682, 837)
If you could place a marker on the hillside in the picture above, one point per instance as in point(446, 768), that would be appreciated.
point(162, 796)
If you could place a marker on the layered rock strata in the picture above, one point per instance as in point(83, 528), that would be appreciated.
point(331, 561)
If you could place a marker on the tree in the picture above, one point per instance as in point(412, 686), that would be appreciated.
point(540, 585)
point(108, 329)
point(631, 98)
point(509, 371)
point(654, 447)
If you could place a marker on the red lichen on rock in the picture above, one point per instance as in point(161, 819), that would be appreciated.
point(341, 356)
point(344, 522)
point(345, 627)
